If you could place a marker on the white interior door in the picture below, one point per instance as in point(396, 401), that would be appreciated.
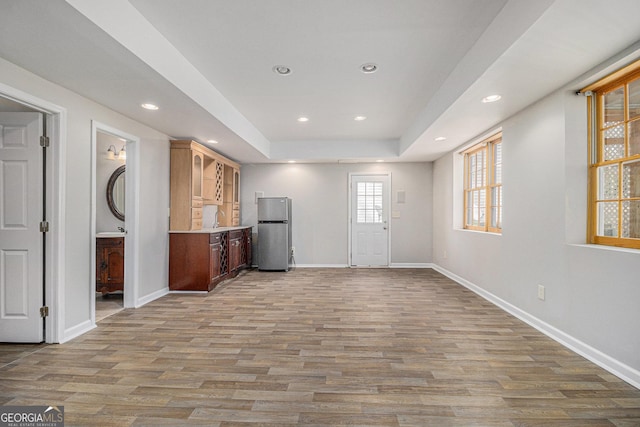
point(369, 220)
point(21, 242)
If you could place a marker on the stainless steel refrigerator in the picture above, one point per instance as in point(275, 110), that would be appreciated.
point(274, 233)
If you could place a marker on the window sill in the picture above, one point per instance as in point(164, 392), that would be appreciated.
point(490, 233)
point(606, 248)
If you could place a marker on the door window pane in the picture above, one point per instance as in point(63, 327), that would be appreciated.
point(369, 202)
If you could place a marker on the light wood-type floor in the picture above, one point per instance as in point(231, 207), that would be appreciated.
point(107, 305)
point(326, 347)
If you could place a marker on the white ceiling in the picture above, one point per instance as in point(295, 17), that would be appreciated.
point(208, 65)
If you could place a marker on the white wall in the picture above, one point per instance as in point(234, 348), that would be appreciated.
point(105, 220)
point(591, 291)
point(154, 193)
point(320, 207)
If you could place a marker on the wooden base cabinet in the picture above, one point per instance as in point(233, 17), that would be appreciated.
point(235, 250)
point(247, 236)
point(215, 257)
point(199, 261)
point(109, 264)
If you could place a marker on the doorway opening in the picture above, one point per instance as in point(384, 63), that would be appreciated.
point(110, 207)
point(114, 221)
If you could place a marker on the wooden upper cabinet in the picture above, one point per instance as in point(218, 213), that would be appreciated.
point(231, 199)
point(213, 181)
point(197, 179)
point(186, 197)
point(197, 172)
point(236, 189)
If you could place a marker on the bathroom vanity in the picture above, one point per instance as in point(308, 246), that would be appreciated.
point(109, 263)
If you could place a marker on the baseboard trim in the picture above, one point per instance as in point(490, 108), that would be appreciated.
point(151, 297)
point(76, 331)
point(394, 265)
point(189, 292)
point(411, 265)
point(614, 366)
point(293, 267)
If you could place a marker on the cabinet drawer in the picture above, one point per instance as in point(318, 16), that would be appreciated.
point(235, 234)
point(235, 214)
point(196, 213)
point(196, 224)
point(110, 242)
point(235, 222)
point(215, 238)
point(196, 203)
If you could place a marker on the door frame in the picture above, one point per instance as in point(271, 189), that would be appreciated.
point(350, 214)
point(132, 215)
point(56, 121)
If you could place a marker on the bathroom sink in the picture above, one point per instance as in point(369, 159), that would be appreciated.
point(104, 234)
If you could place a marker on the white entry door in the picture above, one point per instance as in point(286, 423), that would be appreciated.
point(21, 241)
point(369, 220)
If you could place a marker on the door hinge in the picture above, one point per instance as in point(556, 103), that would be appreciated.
point(44, 226)
point(44, 141)
point(44, 311)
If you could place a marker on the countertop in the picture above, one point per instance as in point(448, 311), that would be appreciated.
point(212, 230)
point(110, 234)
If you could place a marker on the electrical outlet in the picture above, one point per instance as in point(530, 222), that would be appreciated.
point(293, 250)
point(541, 292)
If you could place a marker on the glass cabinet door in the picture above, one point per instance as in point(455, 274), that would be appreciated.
point(236, 186)
point(196, 175)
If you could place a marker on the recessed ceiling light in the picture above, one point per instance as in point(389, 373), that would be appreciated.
point(149, 106)
point(291, 161)
point(212, 141)
point(303, 119)
point(379, 161)
point(439, 138)
point(282, 70)
point(491, 98)
point(359, 118)
point(369, 68)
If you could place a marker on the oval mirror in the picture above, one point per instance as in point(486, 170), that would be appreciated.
point(115, 193)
